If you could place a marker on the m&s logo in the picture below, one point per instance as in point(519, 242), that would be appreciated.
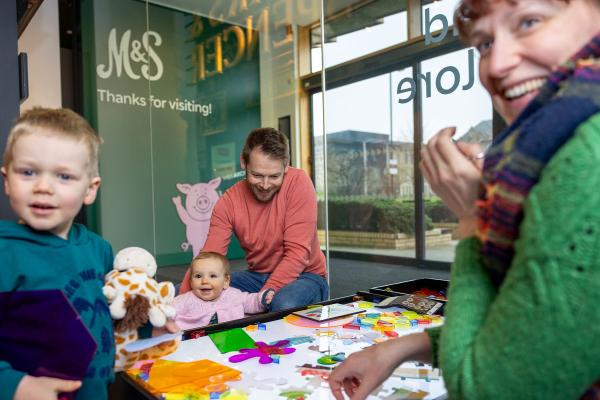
point(121, 56)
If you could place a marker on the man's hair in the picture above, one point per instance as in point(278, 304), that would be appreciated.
point(469, 11)
point(59, 122)
point(206, 255)
point(271, 143)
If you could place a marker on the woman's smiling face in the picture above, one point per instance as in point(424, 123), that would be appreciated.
point(522, 42)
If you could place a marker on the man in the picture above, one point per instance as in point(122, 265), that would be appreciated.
point(273, 213)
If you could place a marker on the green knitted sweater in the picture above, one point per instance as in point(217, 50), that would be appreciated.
point(538, 335)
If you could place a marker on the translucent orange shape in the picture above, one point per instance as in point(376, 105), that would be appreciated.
point(188, 377)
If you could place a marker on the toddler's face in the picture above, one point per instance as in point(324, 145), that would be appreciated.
point(208, 279)
point(47, 181)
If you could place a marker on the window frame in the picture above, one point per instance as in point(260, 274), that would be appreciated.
point(403, 55)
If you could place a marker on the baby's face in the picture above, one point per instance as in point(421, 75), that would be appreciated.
point(48, 181)
point(208, 279)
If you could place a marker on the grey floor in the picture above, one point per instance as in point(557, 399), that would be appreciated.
point(346, 276)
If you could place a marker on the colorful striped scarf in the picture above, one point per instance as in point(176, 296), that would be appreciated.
point(519, 154)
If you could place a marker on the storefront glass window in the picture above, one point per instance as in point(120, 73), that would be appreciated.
point(365, 34)
point(453, 96)
point(173, 88)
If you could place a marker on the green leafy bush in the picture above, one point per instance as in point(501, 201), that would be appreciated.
point(438, 212)
point(371, 215)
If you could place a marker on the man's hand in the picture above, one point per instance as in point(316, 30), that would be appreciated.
point(43, 388)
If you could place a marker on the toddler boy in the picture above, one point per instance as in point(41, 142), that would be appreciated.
point(50, 170)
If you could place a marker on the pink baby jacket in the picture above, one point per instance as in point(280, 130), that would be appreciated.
point(193, 312)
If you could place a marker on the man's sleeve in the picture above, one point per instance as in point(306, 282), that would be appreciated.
point(221, 226)
point(298, 235)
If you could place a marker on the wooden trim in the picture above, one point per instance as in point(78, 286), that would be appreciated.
point(304, 134)
point(415, 28)
point(390, 59)
point(30, 10)
point(306, 158)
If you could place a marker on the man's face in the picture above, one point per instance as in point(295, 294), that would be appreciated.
point(263, 174)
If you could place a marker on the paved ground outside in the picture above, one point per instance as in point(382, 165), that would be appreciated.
point(436, 253)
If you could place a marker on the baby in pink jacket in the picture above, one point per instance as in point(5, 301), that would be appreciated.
point(211, 300)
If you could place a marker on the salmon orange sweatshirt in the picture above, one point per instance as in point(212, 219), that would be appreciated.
point(279, 237)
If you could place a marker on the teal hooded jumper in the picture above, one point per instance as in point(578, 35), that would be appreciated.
point(34, 260)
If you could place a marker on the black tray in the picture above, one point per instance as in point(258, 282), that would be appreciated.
point(410, 287)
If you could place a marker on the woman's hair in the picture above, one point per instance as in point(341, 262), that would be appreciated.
point(205, 255)
point(469, 11)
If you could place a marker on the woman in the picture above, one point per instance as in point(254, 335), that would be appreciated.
point(522, 319)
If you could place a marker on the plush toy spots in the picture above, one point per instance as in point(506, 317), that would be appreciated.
point(134, 297)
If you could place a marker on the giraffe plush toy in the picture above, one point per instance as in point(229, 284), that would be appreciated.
point(134, 297)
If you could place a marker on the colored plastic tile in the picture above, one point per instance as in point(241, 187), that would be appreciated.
point(263, 352)
point(417, 373)
point(296, 340)
point(332, 359)
point(352, 325)
point(231, 340)
point(201, 376)
point(365, 305)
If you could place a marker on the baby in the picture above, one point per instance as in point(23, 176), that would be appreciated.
point(211, 300)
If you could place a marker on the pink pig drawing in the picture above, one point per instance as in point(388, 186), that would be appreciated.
point(199, 203)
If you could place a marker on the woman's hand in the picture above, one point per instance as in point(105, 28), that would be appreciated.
point(453, 171)
point(43, 388)
point(357, 377)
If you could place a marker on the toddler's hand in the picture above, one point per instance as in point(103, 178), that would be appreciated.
point(43, 388)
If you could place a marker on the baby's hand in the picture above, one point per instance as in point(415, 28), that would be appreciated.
point(170, 327)
point(43, 388)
